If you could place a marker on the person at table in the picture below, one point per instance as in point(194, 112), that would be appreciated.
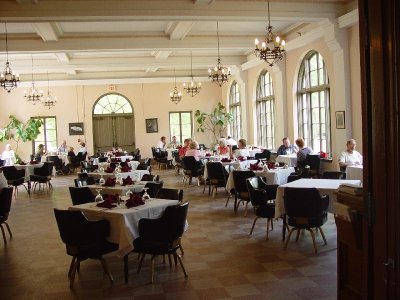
point(83, 149)
point(63, 147)
point(184, 148)
point(350, 156)
point(8, 156)
point(302, 152)
point(223, 149)
point(230, 141)
point(195, 152)
point(162, 143)
point(241, 151)
point(40, 151)
point(174, 143)
point(286, 148)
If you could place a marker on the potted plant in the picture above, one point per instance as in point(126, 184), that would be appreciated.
point(19, 131)
point(215, 122)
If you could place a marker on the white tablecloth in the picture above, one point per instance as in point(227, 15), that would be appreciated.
point(63, 157)
point(134, 175)
point(324, 186)
point(252, 152)
point(8, 161)
point(290, 160)
point(133, 164)
point(29, 169)
point(117, 189)
point(122, 158)
point(354, 172)
point(124, 222)
point(276, 176)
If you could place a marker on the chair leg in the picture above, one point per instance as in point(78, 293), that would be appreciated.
point(106, 270)
point(245, 209)
point(181, 263)
point(140, 262)
point(78, 266)
point(71, 266)
point(9, 230)
point(72, 277)
point(288, 238)
point(272, 224)
point(320, 230)
point(267, 229)
point(152, 269)
point(126, 268)
point(297, 236)
point(252, 227)
point(227, 200)
point(169, 260)
point(181, 248)
point(4, 235)
point(313, 239)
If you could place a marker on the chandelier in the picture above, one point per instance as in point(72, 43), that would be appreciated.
point(33, 95)
point(219, 74)
point(8, 78)
point(272, 50)
point(49, 101)
point(175, 96)
point(192, 88)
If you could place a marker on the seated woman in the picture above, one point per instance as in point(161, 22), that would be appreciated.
point(8, 156)
point(302, 152)
point(222, 148)
point(193, 151)
point(184, 148)
point(241, 151)
point(71, 154)
point(40, 151)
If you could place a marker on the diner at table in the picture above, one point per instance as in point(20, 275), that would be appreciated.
point(286, 148)
point(351, 156)
point(8, 156)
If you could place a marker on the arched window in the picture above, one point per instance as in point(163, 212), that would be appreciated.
point(313, 103)
point(112, 103)
point(265, 111)
point(234, 108)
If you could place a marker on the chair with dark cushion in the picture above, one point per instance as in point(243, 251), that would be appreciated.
point(42, 176)
point(191, 168)
point(217, 176)
point(262, 197)
point(143, 167)
point(154, 187)
point(84, 239)
point(172, 194)
point(305, 209)
point(241, 191)
point(178, 161)
point(161, 236)
point(149, 177)
point(81, 195)
point(300, 173)
point(333, 175)
point(58, 163)
point(314, 161)
point(264, 155)
point(15, 178)
point(159, 156)
point(103, 159)
point(5, 207)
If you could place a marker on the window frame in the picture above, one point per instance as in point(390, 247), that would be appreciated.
point(311, 127)
point(179, 137)
point(43, 118)
point(236, 110)
point(112, 111)
point(265, 126)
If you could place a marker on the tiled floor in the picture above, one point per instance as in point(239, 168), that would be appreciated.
point(222, 261)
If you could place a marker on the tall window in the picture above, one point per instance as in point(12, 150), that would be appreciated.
point(112, 103)
point(313, 103)
point(180, 125)
point(234, 108)
point(47, 135)
point(265, 111)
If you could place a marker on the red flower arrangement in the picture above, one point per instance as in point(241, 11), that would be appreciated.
point(255, 167)
point(134, 200)
point(240, 158)
point(126, 169)
point(109, 170)
point(226, 160)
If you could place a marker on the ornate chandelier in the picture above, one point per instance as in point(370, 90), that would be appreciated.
point(49, 101)
point(219, 74)
point(192, 88)
point(175, 96)
point(272, 50)
point(33, 95)
point(8, 78)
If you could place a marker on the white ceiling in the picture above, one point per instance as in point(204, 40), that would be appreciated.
point(121, 39)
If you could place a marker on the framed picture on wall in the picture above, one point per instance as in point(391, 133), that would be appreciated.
point(151, 125)
point(340, 120)
point(76, 129)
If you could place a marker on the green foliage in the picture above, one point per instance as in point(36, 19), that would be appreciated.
point(19, 131)
point(215, 122)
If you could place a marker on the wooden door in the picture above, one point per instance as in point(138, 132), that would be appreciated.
point(124, 128)
point(102, 133)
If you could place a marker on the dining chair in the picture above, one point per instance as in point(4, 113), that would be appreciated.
point(217, 176)
point(333, 175)
point(58, 163)
point(264, 155)
point(172, 194)
point(154, 187)
point(241, 191)
point(262, 197)
point(15, 178)
point(148, 177)
point(314, 161)
point(305, 209)
point(160, 236)
point(81, 195)
point(191, 168)
point(5, 207)
point(42, 176)
point(84, 239)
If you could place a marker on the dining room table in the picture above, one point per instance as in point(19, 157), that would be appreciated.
point(133, 164)
point(124, 222)
point(354, 172)
point(63, 157)
point(289, 160)
point(121, 190)
point(135, 175)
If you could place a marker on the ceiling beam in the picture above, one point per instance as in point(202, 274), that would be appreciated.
point(48, 31)
point(178, 30)
point(348, 19)
point(62, 57)
point(161, 54)
point(206, 2)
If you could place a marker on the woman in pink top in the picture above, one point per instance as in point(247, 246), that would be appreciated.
point(193, 151)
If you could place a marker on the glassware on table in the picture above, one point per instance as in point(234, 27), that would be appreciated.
point(99, 197)
point(102, 180)
point(129, 193)
point(276, 164)
point(118, 169)
point(145, 196)
point(101, 169)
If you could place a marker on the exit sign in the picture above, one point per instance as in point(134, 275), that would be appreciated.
point(111, 88)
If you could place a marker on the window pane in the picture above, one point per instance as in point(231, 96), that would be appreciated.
point(315, 115)
point(112, 103)
point(313, 63)
point(314, 78)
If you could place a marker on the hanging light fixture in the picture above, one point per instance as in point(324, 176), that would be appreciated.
point(8, 78)
point(49, 101)
point(272, 49)
point(33, 95)
point(175, 96)
point(219, 74)
point(192, 88)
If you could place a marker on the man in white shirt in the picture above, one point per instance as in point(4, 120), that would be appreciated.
point(161, 143)
point(350, 156)
point(242, 150)
point(230, 141)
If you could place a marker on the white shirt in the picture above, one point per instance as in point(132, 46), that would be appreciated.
point(160, 145)
point(241, 152)
point(349, 159)
point(83, 150)
point(8, 157)
point(231, 142)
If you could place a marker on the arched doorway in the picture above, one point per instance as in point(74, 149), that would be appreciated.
point(113, 123)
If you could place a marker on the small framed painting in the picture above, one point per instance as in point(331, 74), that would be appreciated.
point(76, 129)
point(151, 125)
point(340, 120)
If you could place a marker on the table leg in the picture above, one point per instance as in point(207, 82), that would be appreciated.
point(284, 228)
point(29, 187)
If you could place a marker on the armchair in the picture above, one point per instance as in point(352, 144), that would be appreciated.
point(5, 207)
point(15, 178)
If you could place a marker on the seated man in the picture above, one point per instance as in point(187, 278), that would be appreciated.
point(174, 143)
point(241, 151)
point(162, 143)
point(350, 156)
point(286, 148)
